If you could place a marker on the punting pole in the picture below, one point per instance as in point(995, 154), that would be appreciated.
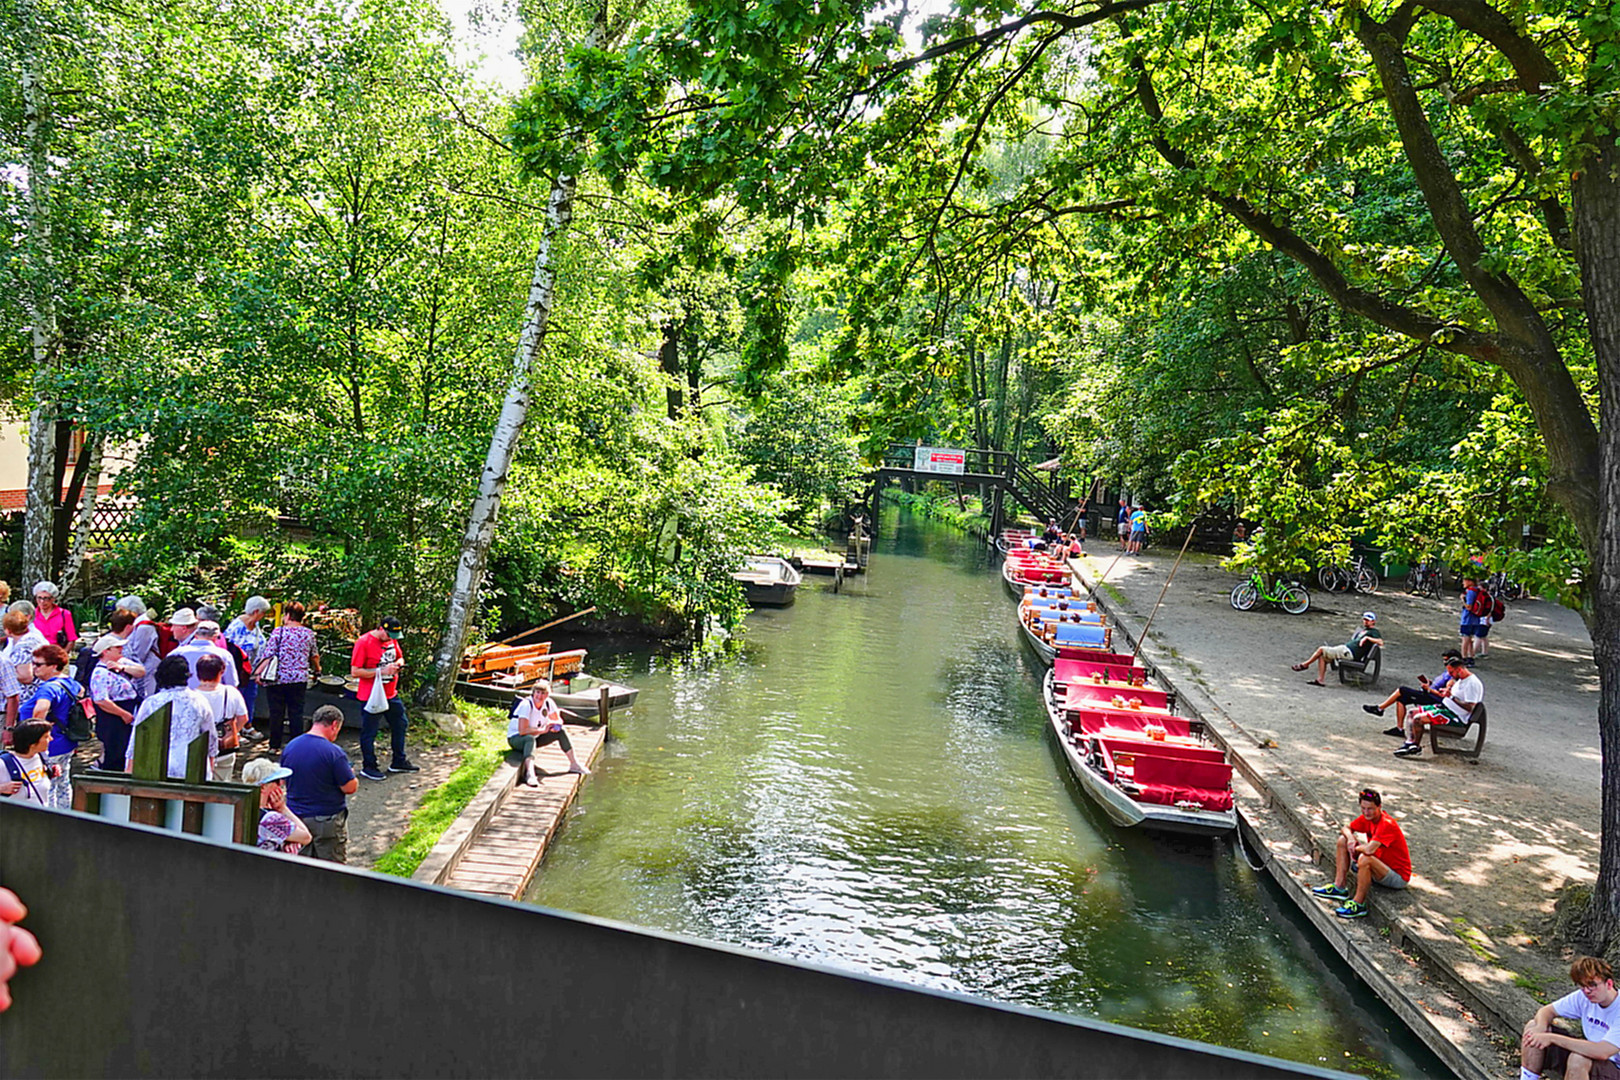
point(1191, 528)
point(547, 626)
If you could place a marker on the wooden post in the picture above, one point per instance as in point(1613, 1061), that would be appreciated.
point(602, 706)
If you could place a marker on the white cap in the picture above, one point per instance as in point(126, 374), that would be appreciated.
point(1369, 616)
point(105, 642)
point(183, 617)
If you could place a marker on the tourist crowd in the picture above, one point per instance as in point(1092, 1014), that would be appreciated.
point(59, 692)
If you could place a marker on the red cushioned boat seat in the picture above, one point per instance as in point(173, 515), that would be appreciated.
point(1081, 692)
point(1167, 781)
point(1149, 748)
point(1094, 718)
point(1072, 668)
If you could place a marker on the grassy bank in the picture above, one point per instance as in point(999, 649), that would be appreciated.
point(485, 747)
point(969, 515)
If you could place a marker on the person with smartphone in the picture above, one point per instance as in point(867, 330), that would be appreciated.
point(1426, 693)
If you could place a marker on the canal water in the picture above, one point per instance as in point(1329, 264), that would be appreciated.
point(871, 784)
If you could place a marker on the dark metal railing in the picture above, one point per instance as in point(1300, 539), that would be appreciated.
point(153, 940)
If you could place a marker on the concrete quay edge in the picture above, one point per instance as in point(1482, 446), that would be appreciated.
point(1291, 824)
point(441, 861)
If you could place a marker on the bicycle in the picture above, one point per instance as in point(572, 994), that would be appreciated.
point(1499, 584)
point(1358, 576)
point(1290, 595)
point(1424, 579)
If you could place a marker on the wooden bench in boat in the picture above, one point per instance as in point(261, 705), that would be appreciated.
point(1476, 723)
point(1072, 668)
point(1078, 694)
point(1082, 636)
point(1102, 721)
point(1121, 745)
point(1048, 592)
point(1169, 781)
point(502, 657)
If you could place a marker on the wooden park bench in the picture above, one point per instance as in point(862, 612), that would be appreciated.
point(1476, 723)
point(1365, 671)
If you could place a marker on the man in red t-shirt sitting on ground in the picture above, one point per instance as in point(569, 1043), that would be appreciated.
point(1373, 848)
point(378, 654)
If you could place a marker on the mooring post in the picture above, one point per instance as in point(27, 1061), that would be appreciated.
point(602, 706)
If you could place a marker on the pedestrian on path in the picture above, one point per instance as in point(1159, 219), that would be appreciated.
point(292, 646)
point(244, 635)
point(321, 782)
point(1122, 524)
point(1373, 848)
point(55, 623)
point(536, 721)
point(379, 654)
point(114, 692)
point(1596, 1004)
point(53, 695)
point(1471, 627)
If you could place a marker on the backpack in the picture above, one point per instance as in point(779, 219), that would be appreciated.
point(1481, 606)
point(166, 642)
point(1498, 609)
point(83, 666)
point(243, 673)
point(77, 724)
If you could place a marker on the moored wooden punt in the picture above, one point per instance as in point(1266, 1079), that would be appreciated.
point(1176, 783)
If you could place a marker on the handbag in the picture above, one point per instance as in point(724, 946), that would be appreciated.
point(269, 665)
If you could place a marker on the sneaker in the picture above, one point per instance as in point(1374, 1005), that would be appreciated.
point(404, 766)
point(579, 769)
point(1395, 733)
point(1410, 749)
point(1332, 892)
point(1372, 710)
point(1468, 661)
point(373, 774)
point(1351, 910)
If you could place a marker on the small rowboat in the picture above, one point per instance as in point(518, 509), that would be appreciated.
point(768, 581)
point(498, 675)
point(1144, 766)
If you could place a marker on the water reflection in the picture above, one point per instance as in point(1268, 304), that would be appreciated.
point(872, 785)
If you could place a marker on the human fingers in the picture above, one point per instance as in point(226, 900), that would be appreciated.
point(25, 948)
point(12, 909)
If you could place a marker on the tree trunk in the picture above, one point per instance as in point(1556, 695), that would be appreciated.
point(1597, 220)
point(40, 298)
point(669, 362)
point(86, 513)
point(480, 534)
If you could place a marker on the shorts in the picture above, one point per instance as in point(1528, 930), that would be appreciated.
point(1556, 1057)
point(1475, 630)
point(1338, 652)
point(1138, 536)
point(1124, 529)
point(1390, 880)
point(1483, 630)
point(1438, 715)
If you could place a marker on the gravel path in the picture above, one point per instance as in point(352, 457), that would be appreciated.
point(1492, 842)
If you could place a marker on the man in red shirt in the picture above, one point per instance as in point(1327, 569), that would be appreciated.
point(379, 654)
point(1373, 848)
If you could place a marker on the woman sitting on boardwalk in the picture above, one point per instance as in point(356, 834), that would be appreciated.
point(536, 721)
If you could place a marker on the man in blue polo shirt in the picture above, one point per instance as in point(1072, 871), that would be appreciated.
point(321, 780)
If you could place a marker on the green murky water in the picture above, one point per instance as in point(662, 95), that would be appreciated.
point(872, 785)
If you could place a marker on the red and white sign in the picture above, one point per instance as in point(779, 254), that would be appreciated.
point(936, 459)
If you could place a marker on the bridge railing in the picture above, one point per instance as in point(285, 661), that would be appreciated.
point(979, 462)
point(158, 942)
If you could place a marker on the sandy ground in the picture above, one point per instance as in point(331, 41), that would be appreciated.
point(1492, 842)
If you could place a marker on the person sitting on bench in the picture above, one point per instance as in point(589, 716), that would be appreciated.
point(1357, 648)
point(1407, 697)
point(1458, 698)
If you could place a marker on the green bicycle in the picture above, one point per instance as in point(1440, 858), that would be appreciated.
point(1291, 595)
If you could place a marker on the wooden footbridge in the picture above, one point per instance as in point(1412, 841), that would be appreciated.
point(996, 472)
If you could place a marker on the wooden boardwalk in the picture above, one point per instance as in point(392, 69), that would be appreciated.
point(501, 860)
